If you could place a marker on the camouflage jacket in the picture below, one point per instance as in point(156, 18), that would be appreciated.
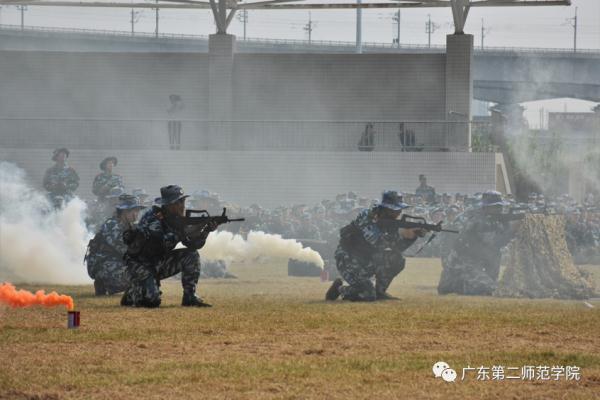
point(482, 237)
point(378, 239)
point(61, 180)
point(104, 182)
point(158, 236)
point(427, 193)
point(108, 242)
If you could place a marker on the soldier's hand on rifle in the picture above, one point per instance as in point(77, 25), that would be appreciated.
point(413, 233)
point(212, 226)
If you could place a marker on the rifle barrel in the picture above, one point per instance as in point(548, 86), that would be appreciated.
point(449, 231)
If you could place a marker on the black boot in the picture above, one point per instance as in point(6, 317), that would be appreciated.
point(386, 296)
point(99, 288)
point(191, 300)
point(334, 291)
point(126, 300)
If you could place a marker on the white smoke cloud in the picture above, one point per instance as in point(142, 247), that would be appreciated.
point(38, 244)
point(226, 246)
point(42, 245)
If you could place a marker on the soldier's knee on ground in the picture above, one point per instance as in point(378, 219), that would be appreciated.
point(150, 294)
point(359, 292)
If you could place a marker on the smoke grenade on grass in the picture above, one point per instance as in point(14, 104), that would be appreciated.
point(22, 298)
point(226, 246)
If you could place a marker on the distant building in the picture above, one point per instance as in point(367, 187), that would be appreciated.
point(577, 131)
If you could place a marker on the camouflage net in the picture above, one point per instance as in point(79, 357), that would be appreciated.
point(540, 265)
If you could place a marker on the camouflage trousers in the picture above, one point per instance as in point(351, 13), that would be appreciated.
point(359, 274)
point(114, 276)
point(144, 290)
point(465, 275)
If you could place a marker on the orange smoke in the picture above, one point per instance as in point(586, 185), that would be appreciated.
point(22, 298)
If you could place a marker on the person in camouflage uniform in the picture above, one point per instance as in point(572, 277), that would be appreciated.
point(426, 192)
point(60, 180)
point(367, 249)
point(472, 264)
point(151, 255)
point(104, 258)
point(106, 181)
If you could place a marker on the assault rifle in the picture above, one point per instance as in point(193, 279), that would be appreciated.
point(412, 222)
point(192, 229)
point(196, 223)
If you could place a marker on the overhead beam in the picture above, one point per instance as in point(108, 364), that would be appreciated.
point(275, 6)
point(104, 5)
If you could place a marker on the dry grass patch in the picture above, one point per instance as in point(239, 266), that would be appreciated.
point(273, 337)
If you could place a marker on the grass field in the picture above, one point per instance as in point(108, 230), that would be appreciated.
point(272, 337)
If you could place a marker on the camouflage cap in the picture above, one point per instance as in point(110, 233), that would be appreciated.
point(392, 200)
point(492, 198)
point(106, 160)
point(128, 202)
point(56, 152)
point(115, 192)
point(171, 194)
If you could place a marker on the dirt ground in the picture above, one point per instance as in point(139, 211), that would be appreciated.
point(273, 337)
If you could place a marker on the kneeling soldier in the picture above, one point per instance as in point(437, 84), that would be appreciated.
point(104, 258)
point(369, 249)
point(152, 257)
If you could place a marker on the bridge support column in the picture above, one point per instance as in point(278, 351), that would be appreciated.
point(221, 50)
point(459, 89)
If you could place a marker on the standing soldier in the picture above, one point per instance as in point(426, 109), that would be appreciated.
point(472, 265)
point(60, 180)
point(152, 257)
point(106, 180)
point(368, 249)
point(426, 192)
point(107, 187)
point(174, 124)
point(105, 253)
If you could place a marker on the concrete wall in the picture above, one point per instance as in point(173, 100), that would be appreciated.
point(101, 85)
point(120, 100)
point(340, 86)
point(273, 178)
point(265, 86)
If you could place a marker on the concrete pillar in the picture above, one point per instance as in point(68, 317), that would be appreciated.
point(459, 89)
point(221, 50)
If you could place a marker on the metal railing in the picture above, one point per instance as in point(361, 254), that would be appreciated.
point(298, 42)
point(190, 134)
